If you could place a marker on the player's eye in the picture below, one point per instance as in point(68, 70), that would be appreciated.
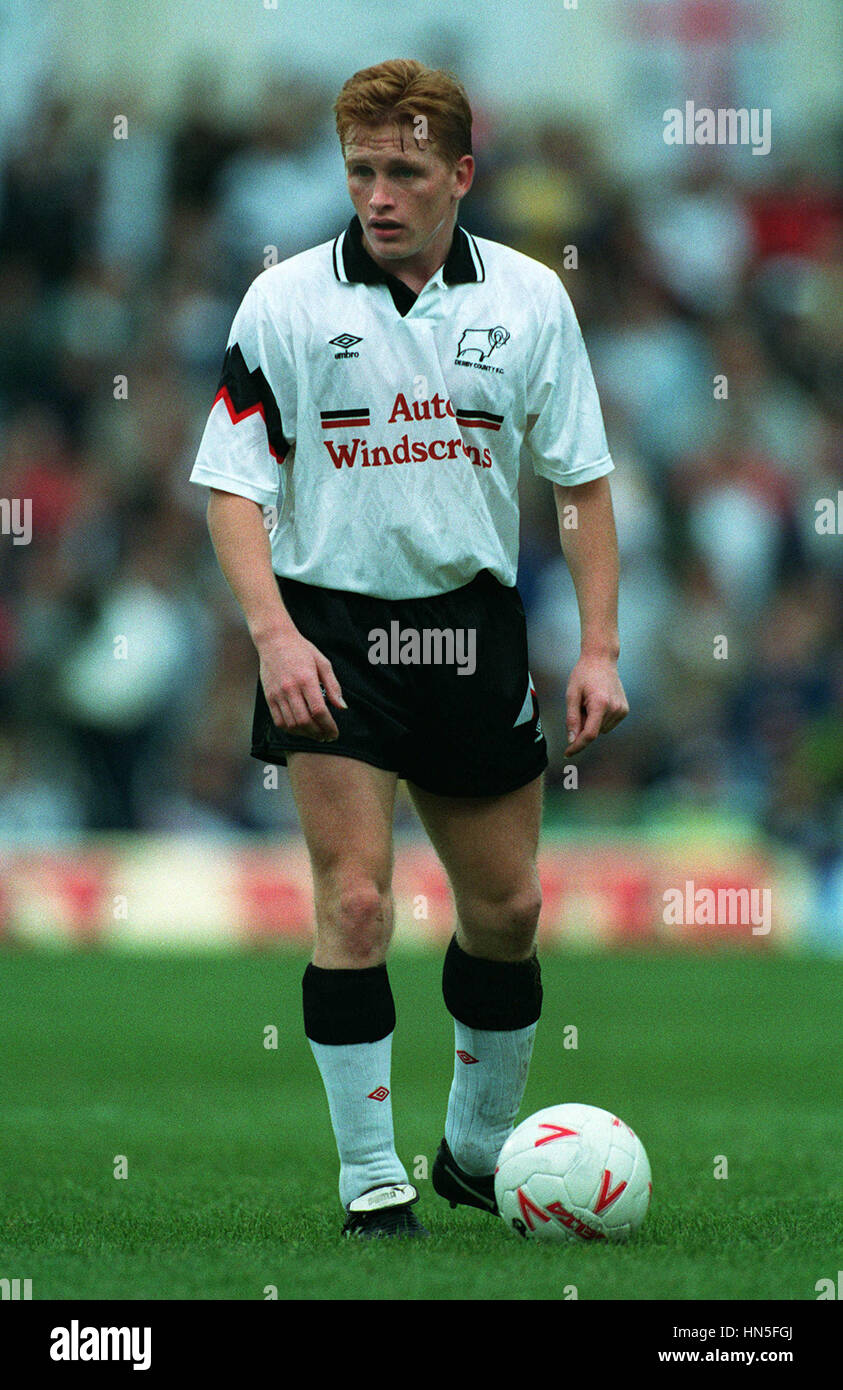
point(360, 171)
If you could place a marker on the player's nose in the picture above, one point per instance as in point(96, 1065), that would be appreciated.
point(381, 196)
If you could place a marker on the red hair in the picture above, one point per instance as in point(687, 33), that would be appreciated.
point(401, 91)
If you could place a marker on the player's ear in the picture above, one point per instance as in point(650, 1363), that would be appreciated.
point(463, 175)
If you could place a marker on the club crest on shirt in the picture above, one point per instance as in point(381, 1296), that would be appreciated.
point(477, 344)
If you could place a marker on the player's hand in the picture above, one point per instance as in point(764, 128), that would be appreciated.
point(297, 679)
point(595, 702)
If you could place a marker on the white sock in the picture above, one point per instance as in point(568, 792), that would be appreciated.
point(486, 1093)
point(357, 1082)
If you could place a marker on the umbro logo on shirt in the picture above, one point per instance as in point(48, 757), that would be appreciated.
point(345, 341)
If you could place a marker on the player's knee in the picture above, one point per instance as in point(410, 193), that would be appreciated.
point(521, 917)
point(506, 924)
point(363, 920)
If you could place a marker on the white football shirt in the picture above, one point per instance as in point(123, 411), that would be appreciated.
point(388, 428)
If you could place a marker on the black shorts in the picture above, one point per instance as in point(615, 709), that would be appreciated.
point(454, 714)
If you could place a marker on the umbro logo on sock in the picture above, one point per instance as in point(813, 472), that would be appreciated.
point(379, 1093)
point(466, 1057)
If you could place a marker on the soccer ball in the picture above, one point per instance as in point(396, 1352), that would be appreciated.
point(573, 1172)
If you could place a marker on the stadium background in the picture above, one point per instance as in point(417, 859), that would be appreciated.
point(130, 813)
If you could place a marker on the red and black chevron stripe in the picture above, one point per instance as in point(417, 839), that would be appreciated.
point(247, 393)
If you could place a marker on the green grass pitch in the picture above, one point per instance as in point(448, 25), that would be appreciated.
point(231, 1185)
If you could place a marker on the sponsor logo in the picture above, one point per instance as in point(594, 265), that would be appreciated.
point(418, 450)
point(359, 451)
point(468, 1059)
point(379, 1093)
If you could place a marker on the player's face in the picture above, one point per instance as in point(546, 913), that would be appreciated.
point(406, 198)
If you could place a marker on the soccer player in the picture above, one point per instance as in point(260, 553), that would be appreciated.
point(382, 389)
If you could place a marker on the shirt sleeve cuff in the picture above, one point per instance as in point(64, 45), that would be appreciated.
point(572, 477)
point(265, 497)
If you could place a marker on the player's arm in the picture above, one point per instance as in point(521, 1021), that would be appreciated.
point(595, 698)
point(291, 668)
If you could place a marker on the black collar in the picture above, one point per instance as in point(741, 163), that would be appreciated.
point(462, 265)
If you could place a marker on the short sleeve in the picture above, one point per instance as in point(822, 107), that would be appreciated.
point(247, 434)
point(568, 440)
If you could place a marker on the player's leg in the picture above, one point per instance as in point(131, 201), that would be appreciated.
point(488, 846)
point(346, 807)
point(491, 977)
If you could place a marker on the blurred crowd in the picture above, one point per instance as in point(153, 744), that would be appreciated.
point(710, 305)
